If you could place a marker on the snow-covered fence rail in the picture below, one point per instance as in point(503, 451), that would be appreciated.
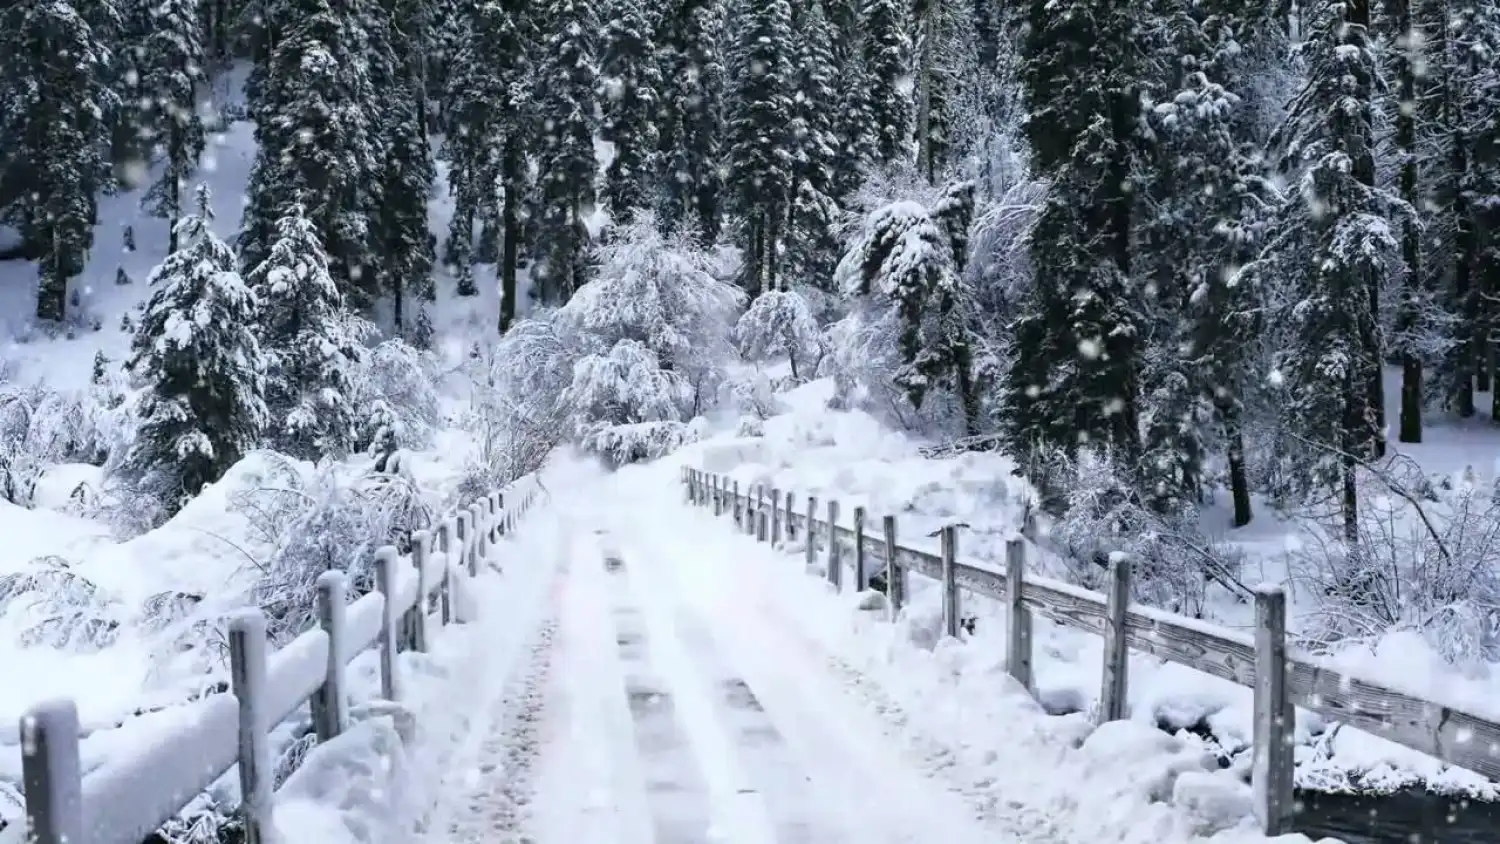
point(127, 799)
point(1282, 676)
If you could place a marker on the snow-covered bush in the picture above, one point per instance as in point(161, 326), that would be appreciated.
point(394, 395)
point(636, 442)
point(40, 427)
point(516, 412)
point(1172, 562)
point(1427, 560)
point(780, 323)
point(332, 517)
point(64, 610)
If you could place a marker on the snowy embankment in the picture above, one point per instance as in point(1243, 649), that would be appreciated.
point(850, 457)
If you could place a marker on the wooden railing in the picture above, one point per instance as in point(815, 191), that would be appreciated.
point(1281, 676)
point(127, 799)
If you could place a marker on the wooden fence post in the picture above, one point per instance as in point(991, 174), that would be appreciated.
point(492, 503)
point(775, 516)
point(835, 571)
point(859, 549)
point(1272, 765)
point(895, 576)
point(247, 673)
point(735, 503)
point(420, 634)
point(1018, 617)
point(52, 773)
point(791, 523)
point(445, 600)
point(1112, 694)
point(328, 701)
point(948, 539)
point(386, 563)
point(476, 538)
point(503, 527)
point(752, 500)
point(808, 534)
point(718, 498)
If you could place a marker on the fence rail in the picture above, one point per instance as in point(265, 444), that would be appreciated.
point(1281, 676)
point(127, 799)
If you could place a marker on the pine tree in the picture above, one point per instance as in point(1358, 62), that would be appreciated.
point(567, 81)
point(172, 59)
point(760, 115)
point(54, 134)
point(317, 146)
point(1332, 243)
point(489, 138)
point(310, 344)
point(194, 348)
point(630, 94)
point(1076, 374)
point(812, 247)
point(887, 58)
point(404, 244)
point(692, 120)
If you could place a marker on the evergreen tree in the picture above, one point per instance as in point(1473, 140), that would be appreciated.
point(812, 247)
point(692, 120)
point(567, 81)
point(310, 344)
point(172, 59)
point(1333, 244)
point(630, 93)
point(54, 135)
point(194, 348)
point(761, 113)
point(489, 138)
point(1076, 374)
point(317, 146)
point(887, 58)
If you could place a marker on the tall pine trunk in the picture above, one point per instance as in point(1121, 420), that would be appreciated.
point(1358, 15)
point(510, 225)
point(1411, 245)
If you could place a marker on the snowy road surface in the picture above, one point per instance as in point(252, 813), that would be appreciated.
point(664, 701)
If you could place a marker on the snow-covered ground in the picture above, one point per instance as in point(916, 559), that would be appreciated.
point(850, 457)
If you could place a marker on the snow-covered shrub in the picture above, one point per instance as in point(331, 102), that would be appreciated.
point(1427, 560)
point(394, 395)
point(335, 516)
point(1172, 562)
point(654, 330)
point(780, 323)
point(750, 393)
point(619, 445)
point(516, 412)
point(40, 427)
point(64, 609)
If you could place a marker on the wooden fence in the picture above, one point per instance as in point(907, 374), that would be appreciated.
point(1281, 676)
point(126, 799)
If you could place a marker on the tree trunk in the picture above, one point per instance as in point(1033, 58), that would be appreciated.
point(1239, 481)
point(1358, 12)
point(510, 233)
point(1465, 247)
point(1411, 244)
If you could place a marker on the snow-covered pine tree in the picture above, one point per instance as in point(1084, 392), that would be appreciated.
point(489, 115)
point(692, 120)
point(196, 352)
point(1075, 378)
point(630, 98)
point(311, 344)
point(55, 136)
point(887, 58)
point(812, 246)
point(1332, 244)
point(318, 145)
point(906, 266)
point(567, 82)
point(404, 242)
point(761, 112)
point(171, 60)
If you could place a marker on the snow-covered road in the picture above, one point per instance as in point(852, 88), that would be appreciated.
point(665, 701)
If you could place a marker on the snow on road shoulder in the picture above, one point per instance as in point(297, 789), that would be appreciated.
point(952, 704)
point(369, 786)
